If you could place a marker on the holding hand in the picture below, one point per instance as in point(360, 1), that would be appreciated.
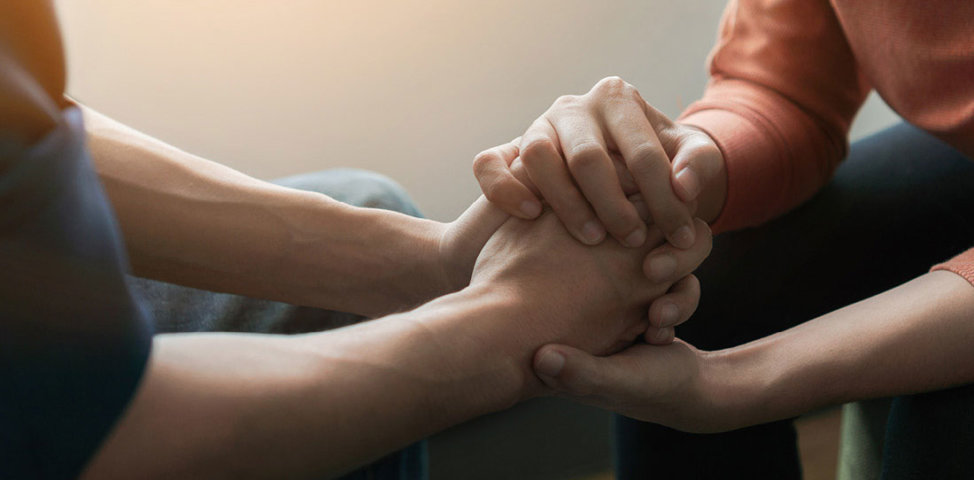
point(463, 239)
point(594, 298)
point(568, 153)
point(674, 385)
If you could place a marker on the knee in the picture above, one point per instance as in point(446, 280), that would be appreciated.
point(357, 187)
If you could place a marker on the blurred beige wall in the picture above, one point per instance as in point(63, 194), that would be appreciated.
point(411, 89)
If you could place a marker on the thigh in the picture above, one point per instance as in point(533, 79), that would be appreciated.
point(901, 202)
point(182, 309)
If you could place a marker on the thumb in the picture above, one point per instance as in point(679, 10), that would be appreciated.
point(478, 223)
point(697, 165)
point(462, 240)
point(574, 372)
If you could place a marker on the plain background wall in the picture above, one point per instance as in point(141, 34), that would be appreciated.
point(412, 89)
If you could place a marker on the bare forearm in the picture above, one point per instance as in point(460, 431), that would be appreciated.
point(235, 406)
point(250, 405)
point(194, 222)
point(914, 338)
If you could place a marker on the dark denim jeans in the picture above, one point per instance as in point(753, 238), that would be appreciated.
point(900, 203)
point(181, 309)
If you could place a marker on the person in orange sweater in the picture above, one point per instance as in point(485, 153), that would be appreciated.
point(820, 290)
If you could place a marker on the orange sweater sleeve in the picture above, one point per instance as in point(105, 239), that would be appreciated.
point(962, 265)
point(783, 89)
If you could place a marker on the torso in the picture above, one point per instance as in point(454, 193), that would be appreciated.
point(919, 56)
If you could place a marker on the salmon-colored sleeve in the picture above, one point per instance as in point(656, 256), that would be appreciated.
point(784, 87)
point(962, 265)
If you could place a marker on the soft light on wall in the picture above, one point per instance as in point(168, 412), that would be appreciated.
point(412, 89)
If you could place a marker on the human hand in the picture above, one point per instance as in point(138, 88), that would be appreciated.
point(667, 311)
point(675, 385)
point(568, 157)
point(594, 298)
point(459, 242)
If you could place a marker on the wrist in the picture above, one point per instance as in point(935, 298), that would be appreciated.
point(486, 336)
point(771, 379)
point(460, 242)
point(737, 382)
point(429, 275)
point(366, 261)
point(406, 267)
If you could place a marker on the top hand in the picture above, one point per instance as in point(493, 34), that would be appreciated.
point(568, 156)
point(594, 298)
point(463, 239)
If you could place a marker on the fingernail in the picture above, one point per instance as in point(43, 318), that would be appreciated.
point(550, 364)
point(636, 238)
point(683, 237)
point(668, 315)
point(593, 233)
point(531, 209)
point(662, 267)
point(689, 183)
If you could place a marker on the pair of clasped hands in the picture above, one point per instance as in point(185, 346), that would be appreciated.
point(600, 165)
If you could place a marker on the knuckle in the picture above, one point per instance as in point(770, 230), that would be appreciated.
point(538, 148)
point(614, 86)
point(612, 83)
point(643, 167)
point(586, 156)
point(565, 101)
point(493, 190)
point(647, 155)
point(482, 161)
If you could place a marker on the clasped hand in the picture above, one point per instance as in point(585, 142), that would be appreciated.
point(607, 162)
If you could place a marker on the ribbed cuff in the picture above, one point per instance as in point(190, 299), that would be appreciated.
point(750, 162)
point(775, 155)
point(962, 265)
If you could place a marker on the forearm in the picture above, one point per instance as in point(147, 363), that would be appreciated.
point(233, 406)
point(913, 338)
point(190, 221)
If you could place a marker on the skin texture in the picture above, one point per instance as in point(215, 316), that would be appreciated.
point(913, 338)
point(236, 405)
point(217, 405)
point(193, 222)
point(570, 155)
point(231, 406)
point(587, 154)
point(183, 218)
